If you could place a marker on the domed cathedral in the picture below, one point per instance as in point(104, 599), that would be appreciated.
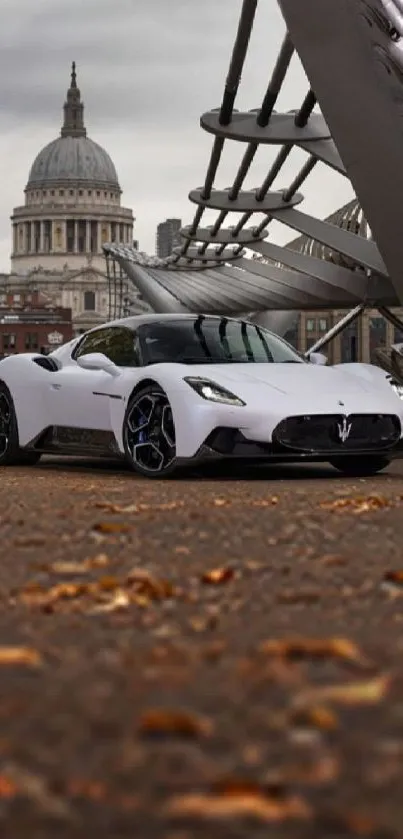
point(72, 207)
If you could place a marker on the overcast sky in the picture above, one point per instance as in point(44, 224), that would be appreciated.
point(147, 70)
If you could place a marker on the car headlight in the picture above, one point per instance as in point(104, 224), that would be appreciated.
point(397, 387)
point(213, 392)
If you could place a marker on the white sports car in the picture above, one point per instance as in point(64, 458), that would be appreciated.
point(164, 391)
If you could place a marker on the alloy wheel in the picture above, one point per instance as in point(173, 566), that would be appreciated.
point(150, 432)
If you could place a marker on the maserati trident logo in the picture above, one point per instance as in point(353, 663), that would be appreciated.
point(343, 430)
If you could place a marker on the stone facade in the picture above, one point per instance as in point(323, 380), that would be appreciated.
point(72, 207)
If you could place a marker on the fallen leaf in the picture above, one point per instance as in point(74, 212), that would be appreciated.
point(8, 788)
point(36, 789)
point(316, 716)
point(239, 801)
point(26, 656)
point(217, 576)
point(268, 502)
point(144, 584)
point(221, 502)
point(120, 600)
point(358, 505)
point(300, 648)
point(111, 527)
point(116, 508)
point(368, 692)
point(99, 561)
point(171, 722)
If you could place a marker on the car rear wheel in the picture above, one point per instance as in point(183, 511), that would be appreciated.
point(360, 466)
point(149, 433)
point(10, 452)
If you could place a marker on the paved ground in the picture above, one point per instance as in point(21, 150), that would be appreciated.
point(202, 657)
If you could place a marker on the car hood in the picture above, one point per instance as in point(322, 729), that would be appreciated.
point(287, 379)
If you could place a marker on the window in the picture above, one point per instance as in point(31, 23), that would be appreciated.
point(70, 235)
point(89, 301)
point(218, 340)
point(3, 299)
point(323, 324)
point(61, 191)
point(16, 298)
point(98, 193)
point(37, 236)
point(31, 341)
point(82, 236)
point(71, 191)
point(80, 192)
point(311, 325)
point(117, 343)
point(9, 342)
point(47, 236)
point(94, 236)
point(52, 192)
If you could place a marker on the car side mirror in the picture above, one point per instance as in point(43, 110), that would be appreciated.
point(318, 358)
point(98, 361)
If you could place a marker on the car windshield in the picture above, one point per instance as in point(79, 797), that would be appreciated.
point(206, 340)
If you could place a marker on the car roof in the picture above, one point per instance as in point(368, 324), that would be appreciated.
point(139, 320)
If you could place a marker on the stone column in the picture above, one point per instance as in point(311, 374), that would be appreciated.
point(88, 236)
point(75, 249)
point(15, 238)
point(42, 237)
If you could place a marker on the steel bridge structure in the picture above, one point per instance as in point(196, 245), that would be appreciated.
point(351, 120)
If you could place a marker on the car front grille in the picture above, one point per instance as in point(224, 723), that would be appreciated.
point(338, 432)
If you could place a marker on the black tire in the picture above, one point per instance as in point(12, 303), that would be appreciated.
point(361, 466)
point(10, 452)
point(149, 433)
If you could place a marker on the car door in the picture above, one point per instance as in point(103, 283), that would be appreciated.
point(80, 398)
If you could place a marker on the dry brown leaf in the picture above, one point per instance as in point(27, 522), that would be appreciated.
point(369, 692)
point(8, 789)
point(333, 560)
point(92, 563)
point(27, 656)
point(239, 802)
point(119, 601)
point(300, 648)
point(112, 527)
point(221, 502)
point(152, 588)
point(217, 576)
point(316, 716)
point(394, 577)
point(179, 723)
point(358, 505)
point(36, 788)
point(116, 508)
point(266, 502)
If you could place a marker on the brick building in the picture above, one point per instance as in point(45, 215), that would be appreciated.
point(30, 323)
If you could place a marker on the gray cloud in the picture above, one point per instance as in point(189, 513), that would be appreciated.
point(147, 70)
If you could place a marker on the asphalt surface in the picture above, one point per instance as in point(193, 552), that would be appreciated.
point(218, 656)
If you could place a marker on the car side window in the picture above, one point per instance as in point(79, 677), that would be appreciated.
point(119, 344)
point(94, 342)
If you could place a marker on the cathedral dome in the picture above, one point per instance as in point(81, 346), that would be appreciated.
point(73, 157)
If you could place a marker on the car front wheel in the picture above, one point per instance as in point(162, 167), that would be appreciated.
point(149, 433)
point(360, 466)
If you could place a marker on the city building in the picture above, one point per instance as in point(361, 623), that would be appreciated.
point(72, 206)
point(168, 237)
point(29, 322)
point(370, 330)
